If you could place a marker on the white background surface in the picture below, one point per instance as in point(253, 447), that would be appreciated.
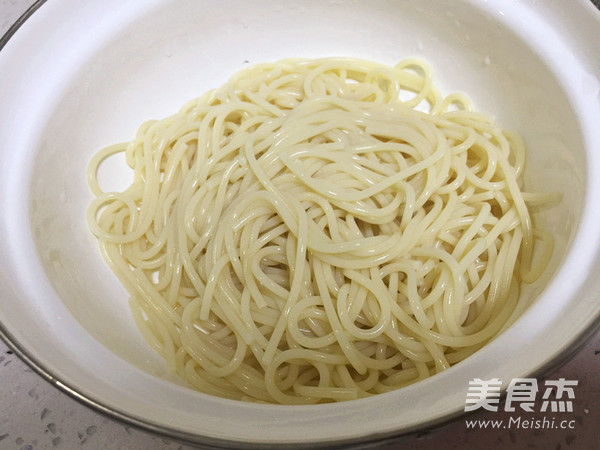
point(35, 415)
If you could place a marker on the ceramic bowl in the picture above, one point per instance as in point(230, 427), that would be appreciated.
point(77, 76)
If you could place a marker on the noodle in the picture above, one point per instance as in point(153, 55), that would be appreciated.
point(320, 230)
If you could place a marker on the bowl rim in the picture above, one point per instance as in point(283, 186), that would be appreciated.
point(64, 386)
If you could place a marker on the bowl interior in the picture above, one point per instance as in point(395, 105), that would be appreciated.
point(160, 60)
point(125, 62)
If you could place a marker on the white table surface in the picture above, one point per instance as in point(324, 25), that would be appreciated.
point(36, 415)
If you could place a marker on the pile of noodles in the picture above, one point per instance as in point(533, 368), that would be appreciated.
point(320, 230)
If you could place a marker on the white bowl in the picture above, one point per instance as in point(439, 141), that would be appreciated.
point(80, 75)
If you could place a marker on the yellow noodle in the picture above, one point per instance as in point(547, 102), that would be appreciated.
point(320, 230)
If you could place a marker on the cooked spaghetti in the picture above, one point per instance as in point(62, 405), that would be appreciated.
point(320, 230)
